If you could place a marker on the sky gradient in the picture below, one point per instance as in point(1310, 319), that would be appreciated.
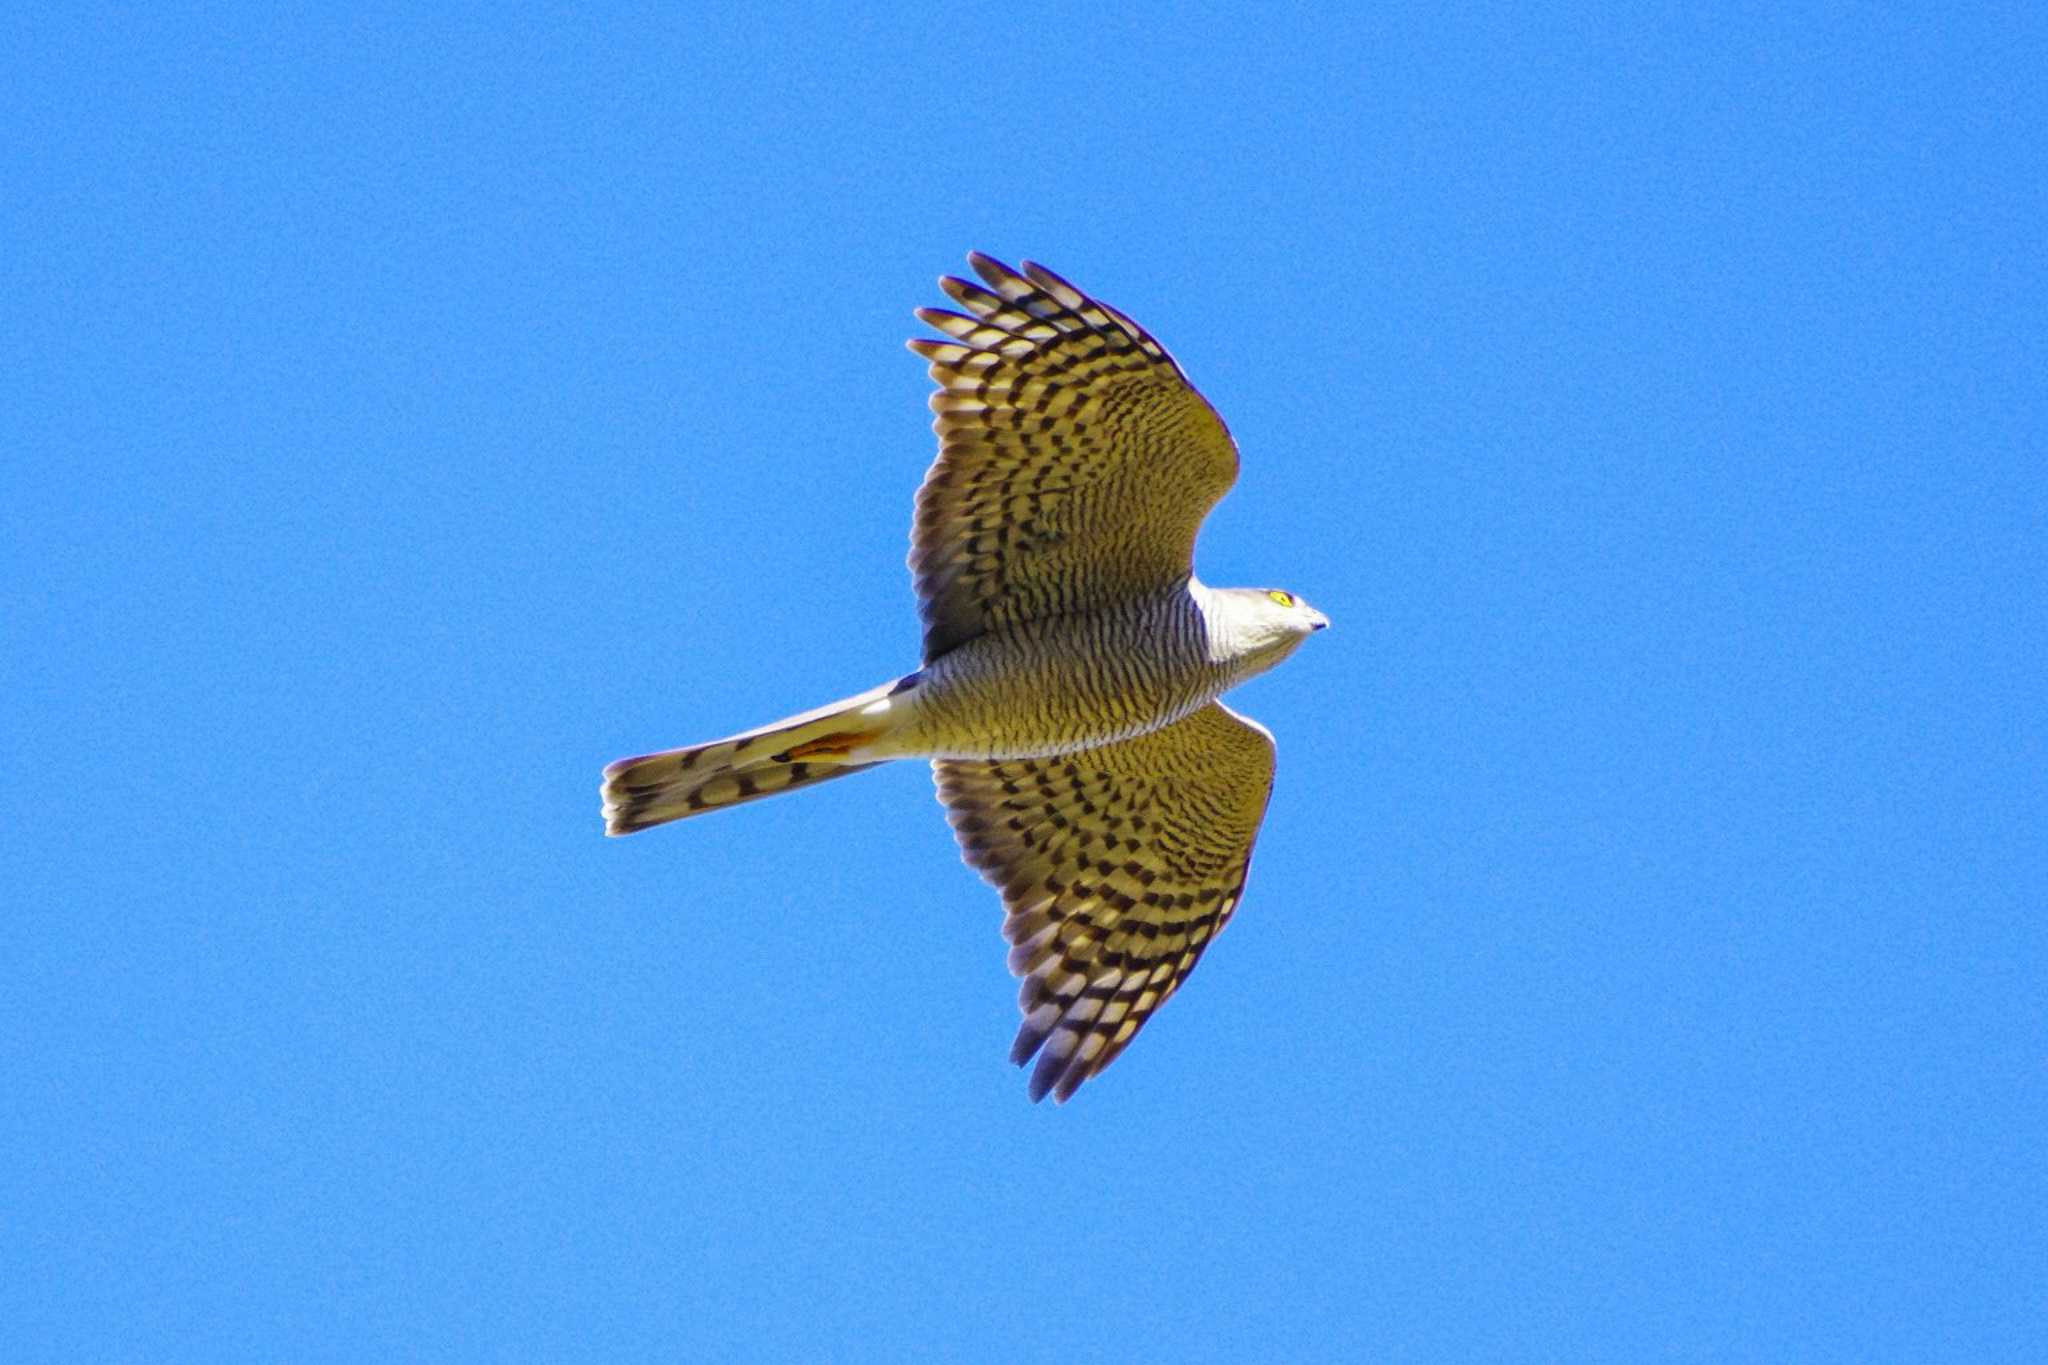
point(1644, 955)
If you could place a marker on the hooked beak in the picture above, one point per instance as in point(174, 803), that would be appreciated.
point(1322, 622)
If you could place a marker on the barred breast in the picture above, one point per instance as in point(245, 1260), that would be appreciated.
point(1067, 683)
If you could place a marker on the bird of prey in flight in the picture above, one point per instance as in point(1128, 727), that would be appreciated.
point(1067, 699)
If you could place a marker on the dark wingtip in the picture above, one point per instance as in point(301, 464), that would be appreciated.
point(1050, 1077)
point(1044, 278)
point(991, 269)
point(1029, 1040)
point(1040, 1083)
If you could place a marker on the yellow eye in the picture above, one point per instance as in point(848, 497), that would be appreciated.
point(1285, 599)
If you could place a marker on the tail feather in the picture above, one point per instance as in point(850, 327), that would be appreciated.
point(801, 751)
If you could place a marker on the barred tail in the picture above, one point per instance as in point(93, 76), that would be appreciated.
point(801, 751)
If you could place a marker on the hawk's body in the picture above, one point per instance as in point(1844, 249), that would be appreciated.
point(1054, 686)
point(1072, 662)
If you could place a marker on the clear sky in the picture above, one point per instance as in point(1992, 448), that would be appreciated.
point(403, 417)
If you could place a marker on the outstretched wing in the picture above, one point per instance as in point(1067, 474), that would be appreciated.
point(1117, 865)
point(1075, 464)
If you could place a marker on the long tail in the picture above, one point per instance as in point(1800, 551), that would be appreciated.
point(801, 751)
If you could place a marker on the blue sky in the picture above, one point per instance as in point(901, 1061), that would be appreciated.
point(406, 416)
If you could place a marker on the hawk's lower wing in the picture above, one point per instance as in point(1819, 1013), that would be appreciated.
point(1118, 865)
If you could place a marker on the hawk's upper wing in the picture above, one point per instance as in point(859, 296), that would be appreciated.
point(1075, 464)
point(1117, 865)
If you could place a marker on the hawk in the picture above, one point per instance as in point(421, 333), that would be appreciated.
point(1067, 699)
